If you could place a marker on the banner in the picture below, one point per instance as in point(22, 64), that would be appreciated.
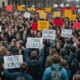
point(13, 61)
point(9, 8)
point(76, 25)
point(43, 25)
point(67, 13)
point(34, 42)
point(27, 15)
point(49, 34)
point(47, 9)
point(58, 22)
point(66, 33)
point(56, 14)
point(34, 26)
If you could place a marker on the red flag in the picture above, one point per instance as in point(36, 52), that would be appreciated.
point(76, 25)
point(58, 22)
point(9, 8)
point(34, 26)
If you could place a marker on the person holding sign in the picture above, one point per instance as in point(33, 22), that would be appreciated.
point(35, 60)
point(22, 75)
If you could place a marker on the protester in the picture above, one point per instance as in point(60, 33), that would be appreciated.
point(61, 53)
point(22, 75)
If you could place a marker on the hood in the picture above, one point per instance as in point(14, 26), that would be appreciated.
point(55, 66)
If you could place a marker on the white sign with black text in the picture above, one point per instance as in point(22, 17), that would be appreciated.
point(49, 34)
point(66, 33)
point(34, 42)
point(13, 61)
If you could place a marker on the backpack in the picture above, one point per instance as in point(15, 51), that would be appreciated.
point(56, 74)
point(20, 78)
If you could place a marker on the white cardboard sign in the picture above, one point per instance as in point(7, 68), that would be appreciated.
point(34, 42)
point(13, 61)
point(49, 34)
point(66, 33)
point(27, 15)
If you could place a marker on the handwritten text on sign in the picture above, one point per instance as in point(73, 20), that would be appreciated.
point(12, 61)
point(34, 42)
point(49, 34)
point(43, 25)
point(66, 33)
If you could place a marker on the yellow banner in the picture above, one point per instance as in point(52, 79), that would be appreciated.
point(43, 25)
point(67, 13)
point(47, 9)
point(73, 17)
point(56, 14)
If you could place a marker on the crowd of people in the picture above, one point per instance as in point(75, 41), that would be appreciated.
point(60, 56)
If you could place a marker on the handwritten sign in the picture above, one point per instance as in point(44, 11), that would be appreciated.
point(12, 61)
point(20, 8)
point(49, 34)
point(42, 15)
point(34, 42)
point(9, 8)
point(47, 9)
point(66, 33)
point(43, 25)
point(67, 12)
point(57, 14)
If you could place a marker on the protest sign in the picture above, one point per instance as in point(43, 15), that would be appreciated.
point(27, 15)
point(76, 25)
point(43, 25)
point(19, 8)
point(47, 9)
point(67, 13)
point(56, 14)
point(73, 17)
point(28, 9)
point(34, 26)
point(34, 42)
point(58, 22)
point(66, 33)
point(9, 8)
point(49, 34)
point(55, 5)
point(32, 9)
point(13, 61)
point(42, 15)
